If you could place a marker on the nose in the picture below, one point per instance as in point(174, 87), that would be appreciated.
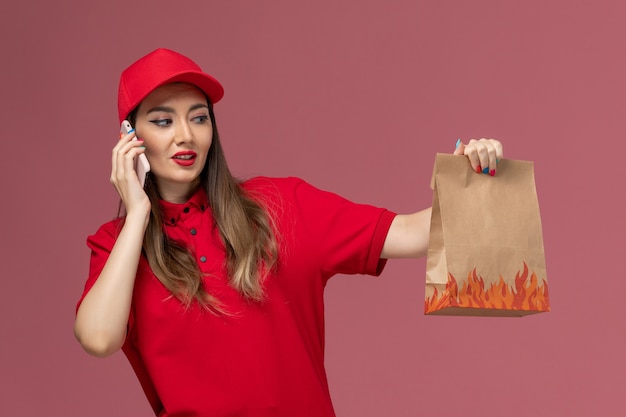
point(183, 133)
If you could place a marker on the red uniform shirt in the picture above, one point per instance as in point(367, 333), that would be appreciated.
point(267, 359)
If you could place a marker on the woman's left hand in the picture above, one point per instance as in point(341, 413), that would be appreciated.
point(483, 154)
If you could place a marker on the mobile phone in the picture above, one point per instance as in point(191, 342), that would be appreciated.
point(142, 166)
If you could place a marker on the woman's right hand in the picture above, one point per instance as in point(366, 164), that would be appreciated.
point(124, 177)
point(102, 318)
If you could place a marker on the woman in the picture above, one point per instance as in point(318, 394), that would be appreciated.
point(212, 287)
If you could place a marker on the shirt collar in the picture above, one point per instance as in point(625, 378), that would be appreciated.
point(172, 211)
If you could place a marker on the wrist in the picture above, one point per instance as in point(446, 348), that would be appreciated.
point(138, 216)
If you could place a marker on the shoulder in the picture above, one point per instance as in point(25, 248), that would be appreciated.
point(295, 193)
point(269, 183)
point(285, 198)
point(274, 189)
point(106, 234)
point(111, 227)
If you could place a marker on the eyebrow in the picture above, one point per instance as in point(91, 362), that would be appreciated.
point(171, 110)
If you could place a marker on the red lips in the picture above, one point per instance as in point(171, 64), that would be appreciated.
point(185, 158)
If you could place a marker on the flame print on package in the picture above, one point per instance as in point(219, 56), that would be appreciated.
point(526, 296)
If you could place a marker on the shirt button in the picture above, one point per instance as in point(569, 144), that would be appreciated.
point(172, 220)
point(193, 232)
point(186, 209)
point(203, 259)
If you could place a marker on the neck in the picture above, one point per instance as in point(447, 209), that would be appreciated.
point(178, 193)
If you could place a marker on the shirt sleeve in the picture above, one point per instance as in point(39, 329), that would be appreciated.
point(101, 243)
point(346, 237)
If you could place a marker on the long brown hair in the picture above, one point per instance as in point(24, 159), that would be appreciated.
point(245, 226)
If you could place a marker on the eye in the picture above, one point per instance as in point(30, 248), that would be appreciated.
point(200, 119)
point(162, 122)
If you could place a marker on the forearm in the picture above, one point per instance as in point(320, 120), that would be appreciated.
point(408, 236)
point(102, 318)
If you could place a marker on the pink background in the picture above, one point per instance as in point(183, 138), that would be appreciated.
point(355, 96)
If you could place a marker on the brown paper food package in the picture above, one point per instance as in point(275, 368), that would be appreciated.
point(486, 254)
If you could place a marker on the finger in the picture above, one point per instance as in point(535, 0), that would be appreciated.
point(487, 155)
point(124, 140)
point(123, 160)
point(472, 154)
point(482, 147)
point(117, 165)
point(130, 161)
point(129, 135)
point(460, 147)
point(114, 158)
point(498, 147)
point(494, 152)
point(491, 150)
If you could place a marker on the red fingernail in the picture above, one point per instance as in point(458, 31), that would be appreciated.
point(479, 169)
point(492, 172)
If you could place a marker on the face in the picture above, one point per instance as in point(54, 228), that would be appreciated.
point(176, 128)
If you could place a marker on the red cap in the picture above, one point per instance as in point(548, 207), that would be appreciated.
point(160, 67)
